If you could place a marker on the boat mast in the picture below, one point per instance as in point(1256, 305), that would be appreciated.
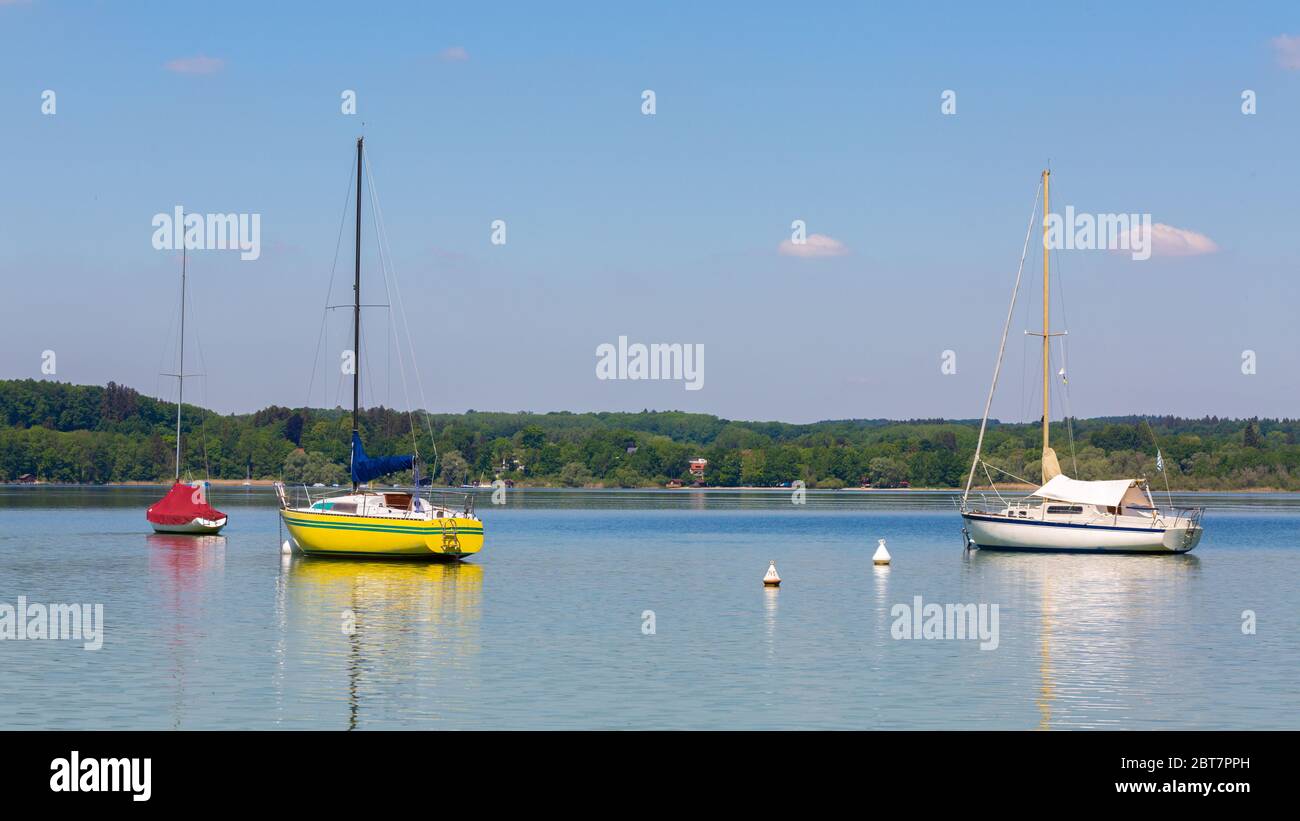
point(1051, 467)
point(1047, 210)
point(356, 319)
point(180, 372)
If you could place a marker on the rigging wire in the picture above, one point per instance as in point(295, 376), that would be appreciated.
point(1024, 361)
point(997, 368)
point(166, 353)
point(1028, 392)
point(992, 483)
point(1005, 472)
point(1164, 471)
point(367, 384)
point(203, 388)
point(385, 261)
point(329, 290)
point(382, 231)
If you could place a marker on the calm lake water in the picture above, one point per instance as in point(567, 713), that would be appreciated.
point(544, 629)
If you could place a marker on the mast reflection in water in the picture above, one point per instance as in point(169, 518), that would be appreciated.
point(399, 637)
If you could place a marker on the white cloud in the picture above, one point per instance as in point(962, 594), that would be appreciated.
point(196, 65)
point(1168, 241)
point(1287, 48)
point(817, 245)
point(455, 54)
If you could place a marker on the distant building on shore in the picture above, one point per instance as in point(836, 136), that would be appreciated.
point(697, 467)
point(27, 479)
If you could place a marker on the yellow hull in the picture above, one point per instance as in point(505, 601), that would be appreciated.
point(382, 537)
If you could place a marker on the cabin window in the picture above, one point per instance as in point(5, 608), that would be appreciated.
point(1064, 508)
point(342, 507)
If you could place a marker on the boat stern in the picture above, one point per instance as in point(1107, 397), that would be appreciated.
point(456, 537)
point(1182, 538)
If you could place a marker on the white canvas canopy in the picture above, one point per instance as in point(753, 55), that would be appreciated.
point(1110, 493)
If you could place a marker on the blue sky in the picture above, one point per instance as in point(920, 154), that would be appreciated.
point(661, 228)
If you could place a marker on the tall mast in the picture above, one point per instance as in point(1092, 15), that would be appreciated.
point(180, 372)
point(356, 315)
point(1047, 210)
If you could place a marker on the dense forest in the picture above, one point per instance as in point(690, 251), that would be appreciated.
point(59, 432)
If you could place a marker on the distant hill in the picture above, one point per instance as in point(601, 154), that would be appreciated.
point(85, 433)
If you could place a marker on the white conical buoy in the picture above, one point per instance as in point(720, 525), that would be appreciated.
point(771, 578)
point(882, 555)
point(286, 548)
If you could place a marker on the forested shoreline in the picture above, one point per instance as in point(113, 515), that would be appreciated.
point(58, 432)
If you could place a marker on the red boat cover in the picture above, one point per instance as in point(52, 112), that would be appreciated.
point(183, 504)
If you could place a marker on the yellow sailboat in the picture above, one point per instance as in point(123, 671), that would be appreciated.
point(373, 524)
point(389, 524)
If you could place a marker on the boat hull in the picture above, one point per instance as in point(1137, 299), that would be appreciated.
point(382, 537)
point(196, 527)
point(992, 533)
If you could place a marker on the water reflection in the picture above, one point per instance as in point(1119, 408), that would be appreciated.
point(880, 576)
point(771, 599)
point(184, 561)
point(1046, 680)
point(183, 567)
point(219, 634)
point(387, 632)
point(1097, 620)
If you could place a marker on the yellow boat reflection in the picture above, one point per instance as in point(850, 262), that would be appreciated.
point(387, 626)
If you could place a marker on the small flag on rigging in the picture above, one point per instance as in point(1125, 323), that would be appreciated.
point(1160, 461)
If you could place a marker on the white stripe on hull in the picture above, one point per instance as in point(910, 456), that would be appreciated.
point(195, 526)
point(1014, 535)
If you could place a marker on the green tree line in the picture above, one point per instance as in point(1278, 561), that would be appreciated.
point(60, 432)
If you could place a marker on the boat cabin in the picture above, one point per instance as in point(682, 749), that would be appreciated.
point(1064, 499)
point(392, 504)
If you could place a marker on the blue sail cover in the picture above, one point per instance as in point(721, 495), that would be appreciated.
point(365, 468)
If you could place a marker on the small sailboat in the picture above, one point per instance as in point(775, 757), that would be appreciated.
point(372, 524)
point(1065, 514)
point(185, 508)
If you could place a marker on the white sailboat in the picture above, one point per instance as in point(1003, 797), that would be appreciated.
point(1064, 514)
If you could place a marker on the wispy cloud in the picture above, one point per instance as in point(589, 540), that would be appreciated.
point(817, 245)
point(1168, 241)
point(1287, 49)
point(454, 54)
point(196, 65)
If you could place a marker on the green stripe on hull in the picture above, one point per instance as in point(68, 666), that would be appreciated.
point(416, 531)
point(347, 554)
